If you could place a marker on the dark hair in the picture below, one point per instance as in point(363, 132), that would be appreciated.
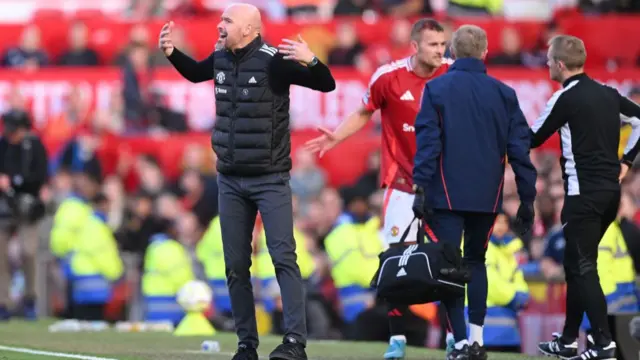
point(424, 24)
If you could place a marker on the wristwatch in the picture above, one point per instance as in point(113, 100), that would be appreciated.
point(313, 62)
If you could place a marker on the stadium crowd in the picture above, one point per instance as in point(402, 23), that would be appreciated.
point(143, 200)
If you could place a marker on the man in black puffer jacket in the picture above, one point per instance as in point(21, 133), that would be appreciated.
point(252, 140)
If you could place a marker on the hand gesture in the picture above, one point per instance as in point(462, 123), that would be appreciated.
point(624, 168)
point(165, 43)
point(296, 50)
point(322, 143)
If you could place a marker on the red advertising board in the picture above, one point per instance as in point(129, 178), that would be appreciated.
point(46, 91)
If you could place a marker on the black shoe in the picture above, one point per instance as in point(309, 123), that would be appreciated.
point(557, 348)
point(477, 352)
point(462, 354)
point(245, 353)
point(290, 349)
point(597, 352)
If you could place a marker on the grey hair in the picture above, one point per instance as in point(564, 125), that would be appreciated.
point(469, 41)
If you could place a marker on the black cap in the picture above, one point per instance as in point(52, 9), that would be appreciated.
point(14, 120)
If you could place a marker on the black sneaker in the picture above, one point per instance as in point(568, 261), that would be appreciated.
point(462, 354)
point(477, 352)
point(290, 349)
point(596, 352)
point(245, 353)
point(557, 348)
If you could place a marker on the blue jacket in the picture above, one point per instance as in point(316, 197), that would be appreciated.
point(467, 124)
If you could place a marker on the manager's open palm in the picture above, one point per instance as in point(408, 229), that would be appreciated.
point(164, 42)
point(296, 50)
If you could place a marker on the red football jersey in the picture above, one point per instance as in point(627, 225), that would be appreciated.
point(396, 90)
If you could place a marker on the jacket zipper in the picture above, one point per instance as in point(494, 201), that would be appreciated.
point(234, 100)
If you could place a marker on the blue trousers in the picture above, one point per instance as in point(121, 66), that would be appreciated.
point(448, 225)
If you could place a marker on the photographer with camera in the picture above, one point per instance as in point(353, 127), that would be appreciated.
point(23, 172)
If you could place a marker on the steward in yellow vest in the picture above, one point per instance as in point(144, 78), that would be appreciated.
point(167, 267)
point(94, 265)
point(353, 250)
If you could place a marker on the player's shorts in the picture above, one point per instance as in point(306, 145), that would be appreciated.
point(398, 215)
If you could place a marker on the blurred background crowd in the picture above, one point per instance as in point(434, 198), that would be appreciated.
point(99, 94)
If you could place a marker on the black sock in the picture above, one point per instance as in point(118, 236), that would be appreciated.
point(396, 315)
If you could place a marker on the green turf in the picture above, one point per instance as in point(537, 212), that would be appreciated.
point(164, 346)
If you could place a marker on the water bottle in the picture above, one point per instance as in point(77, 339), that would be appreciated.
point(210, 346)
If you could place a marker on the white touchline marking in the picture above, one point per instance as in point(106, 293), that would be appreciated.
point(52, 354)
point(222, 353)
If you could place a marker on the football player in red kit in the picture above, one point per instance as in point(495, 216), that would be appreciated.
point(396, 89)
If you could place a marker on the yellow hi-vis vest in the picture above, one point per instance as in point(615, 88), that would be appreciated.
point(492, 6)
point(96, 251)
point(353, 250)
point(95, 263)
point(68, 221)
point(264, 265)
point(504, 279)
point(167, 267)
point(503, 275)
point(616, 271)
point(210, 253)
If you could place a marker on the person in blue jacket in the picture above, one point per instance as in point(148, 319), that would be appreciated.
point(468, 125)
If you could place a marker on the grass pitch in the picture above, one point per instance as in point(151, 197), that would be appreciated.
point(21, 340)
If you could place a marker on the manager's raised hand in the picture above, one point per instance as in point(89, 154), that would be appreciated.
point(164, 42)
point(296, 50)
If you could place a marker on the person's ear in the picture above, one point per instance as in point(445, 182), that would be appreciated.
point(414, 46)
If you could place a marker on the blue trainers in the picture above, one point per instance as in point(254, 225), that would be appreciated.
point(396, 349)
point(451, 343)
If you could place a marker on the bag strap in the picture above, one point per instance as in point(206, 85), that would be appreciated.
point(420, 234)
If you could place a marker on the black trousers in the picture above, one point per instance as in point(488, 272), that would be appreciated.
point(449, 226)
point(240, 199)
point(585, 218)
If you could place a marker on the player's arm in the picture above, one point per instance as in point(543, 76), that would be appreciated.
point(353, 123)
point(373, 99)
point(552, 118)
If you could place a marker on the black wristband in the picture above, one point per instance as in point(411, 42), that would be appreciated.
point(627, 162)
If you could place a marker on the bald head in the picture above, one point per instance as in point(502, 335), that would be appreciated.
point(241, 23)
